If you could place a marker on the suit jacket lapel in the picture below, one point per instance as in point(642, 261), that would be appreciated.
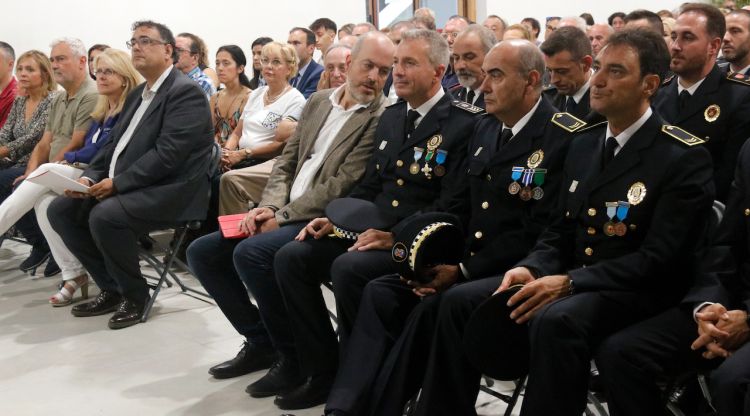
point(699, 100)
point(523, 142)
point(430, 123)
point(668, 105)
point(322, 113)
point(161, 95)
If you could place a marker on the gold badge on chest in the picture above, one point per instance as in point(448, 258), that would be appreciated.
point(636, 193)
point(712, 113)
point(535, 159)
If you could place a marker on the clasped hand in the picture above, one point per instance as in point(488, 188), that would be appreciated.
point(104, 189)
point(259, 220)
point(720, 331)
point(534, 294)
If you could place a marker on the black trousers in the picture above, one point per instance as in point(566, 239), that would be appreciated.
point(103, 237)
point(632, 360)
point(300, 268)
point(27, 224)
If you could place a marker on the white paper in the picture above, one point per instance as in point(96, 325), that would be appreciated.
point(57, 183)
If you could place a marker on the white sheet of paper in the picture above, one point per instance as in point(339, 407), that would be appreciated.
point(57, 183)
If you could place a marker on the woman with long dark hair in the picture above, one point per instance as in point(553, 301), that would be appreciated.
point(256, 47)
point(227, 104)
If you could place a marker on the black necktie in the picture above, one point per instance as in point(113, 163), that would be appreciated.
point(505, 137)
point(570, 104)
point(609, 151)
point(470, 97)
point(684, 99)
point(411, 117)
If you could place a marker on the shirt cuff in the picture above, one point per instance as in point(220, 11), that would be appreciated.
point(698, 308)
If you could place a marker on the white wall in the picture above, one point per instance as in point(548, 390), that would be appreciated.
point(515, 11)
point(32, 24)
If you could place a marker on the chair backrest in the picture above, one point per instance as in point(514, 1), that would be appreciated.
point(213, 167)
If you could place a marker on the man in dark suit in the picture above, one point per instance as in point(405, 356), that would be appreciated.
point(324, 159)
point(735, 46)
point(152, 175)
point(567, 54)
point(637, 197)
point(701, 98)
point(709, 328)
point(306, 80)
point(418, 165)
point(391, 343)
point(469, 50)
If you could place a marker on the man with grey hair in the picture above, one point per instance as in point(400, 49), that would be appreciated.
point(8, 82)
point(361, 28)
point(574, 21)
point(452, 28)
point(599, 34)
point(424, 18)
point(496, 24)
point(335, 65)
point(469, 51)
point(69, 120)
point(397, 29)
point(403, 179)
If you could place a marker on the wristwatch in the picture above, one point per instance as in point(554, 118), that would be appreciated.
point(248, 152)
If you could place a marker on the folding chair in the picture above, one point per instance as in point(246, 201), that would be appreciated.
point(164, 269)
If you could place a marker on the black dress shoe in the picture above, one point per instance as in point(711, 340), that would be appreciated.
point(252, 357)
point(51, 268)
point(104, 303)
point(284, 375)
point(128, 314)
point(314, 391)
point(37, 257)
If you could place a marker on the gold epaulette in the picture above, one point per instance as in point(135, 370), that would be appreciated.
point(568, 122)
point(682, 135)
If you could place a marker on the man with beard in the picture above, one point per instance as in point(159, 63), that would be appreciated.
point(701, 98)
point(567, 54)
point(323, 160)
point(736, 47)
point(453, 27)
point(469, 51)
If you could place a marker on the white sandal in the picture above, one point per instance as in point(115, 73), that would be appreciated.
point(68, 289)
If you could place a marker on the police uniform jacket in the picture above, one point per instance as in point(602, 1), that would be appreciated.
point(503, 227)
point(388, 181)
point(582, 110)
point(669, 187)
point(460, 93)
point(718, 113)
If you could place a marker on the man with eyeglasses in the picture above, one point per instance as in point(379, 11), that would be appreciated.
point(188, 60)
point(69, 120)
point(453, 26)
point(306, 80)
point(152, 175)
point(551, 26)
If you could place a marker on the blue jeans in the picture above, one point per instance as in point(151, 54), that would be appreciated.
point(229, 268)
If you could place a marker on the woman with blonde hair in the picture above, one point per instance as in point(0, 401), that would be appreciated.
point(115, 79)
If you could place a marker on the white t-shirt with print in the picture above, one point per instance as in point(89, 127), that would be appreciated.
point(259, 122)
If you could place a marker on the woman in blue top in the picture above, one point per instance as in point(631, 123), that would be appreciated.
point(115, 78)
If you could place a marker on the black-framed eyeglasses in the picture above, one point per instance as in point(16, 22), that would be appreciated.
point(182, 50)
point(143, 42)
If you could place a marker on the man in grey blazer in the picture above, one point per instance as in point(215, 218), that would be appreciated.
point(153, 174)
point(322, 161)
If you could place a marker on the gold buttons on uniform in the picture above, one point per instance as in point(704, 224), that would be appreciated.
point(633, 227)
point(589, 251)
point(377, 166)
point(591, 231)
point(478, 235)
point(394, 203)
point(747, 212)
point(399, 163)
point(567, 214)
point(485, 205)
point(592, 212)
point(489, 177)
point(400, 182)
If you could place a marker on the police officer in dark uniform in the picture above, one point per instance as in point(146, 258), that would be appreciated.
point(567, 54)
point(735, 46)
point(469, 50)
point(515, 173)
point(637, 197)
point(419, 163)
point(701, 98)
point(709, 329)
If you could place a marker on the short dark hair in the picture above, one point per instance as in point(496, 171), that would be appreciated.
point(494, 16)
point(309, 34)
point(615, 15)
point(653, 55)
point(716, 24)
point(567, 38)
point(741, 12)
point(653, 19)
point(98, 47)
point(588, 18)
point(534, 24)
point(8, 50)
point(197, 47)
point(327, 24)
point(164, 33)
point(262, 41)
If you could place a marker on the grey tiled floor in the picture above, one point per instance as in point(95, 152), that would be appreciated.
point(54, 363)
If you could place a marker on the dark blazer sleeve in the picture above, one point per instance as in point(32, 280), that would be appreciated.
point(179, 123)
point(310, 82)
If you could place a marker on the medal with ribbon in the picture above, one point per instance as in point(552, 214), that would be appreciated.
point(609, 226)
point(538, 192)
point(622, 212)
point(515, 174)
point(440, 159)
point(528, 177)
point(414, 167)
